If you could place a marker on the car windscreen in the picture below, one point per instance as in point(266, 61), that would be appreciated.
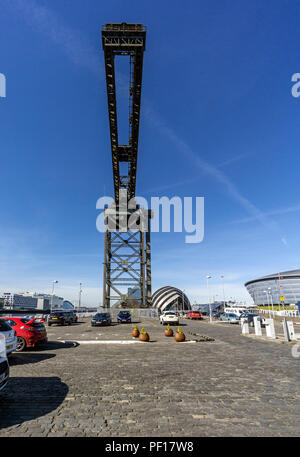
point(124, 313)
point(101, 315)
point(4, 327)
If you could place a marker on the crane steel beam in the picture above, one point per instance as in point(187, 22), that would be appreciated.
point(127, 260)
point(126, 40)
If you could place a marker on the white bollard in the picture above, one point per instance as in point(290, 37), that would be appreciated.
point(285, 330)
point(245, 326)
point(257, 326)
point(270, 329)
point(291, 330)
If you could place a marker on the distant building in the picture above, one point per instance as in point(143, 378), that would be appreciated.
point(204, 308)
point(67, 305)
point(20, 301)
point(134, 297)
point(27, 300)
point(269, 289)
point(54, 300)
point(170, 298)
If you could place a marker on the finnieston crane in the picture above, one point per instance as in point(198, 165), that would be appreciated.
point(127, 254)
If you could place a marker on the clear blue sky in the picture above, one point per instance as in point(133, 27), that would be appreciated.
point(218, 120)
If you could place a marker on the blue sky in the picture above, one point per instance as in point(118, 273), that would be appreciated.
point(218, 120)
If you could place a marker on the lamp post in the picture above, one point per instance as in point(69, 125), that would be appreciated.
point(268, 301)
point(209, 300)
point(54, 282)
point(80, 292)
point(222, 278)
point(183, 299)
point(271, 298)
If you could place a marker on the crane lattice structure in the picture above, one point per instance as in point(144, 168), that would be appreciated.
point(127, 253)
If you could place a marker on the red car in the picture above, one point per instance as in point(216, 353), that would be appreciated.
point(29, 331)
point(194, 315)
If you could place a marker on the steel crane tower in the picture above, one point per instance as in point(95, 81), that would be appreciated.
point(127, 254)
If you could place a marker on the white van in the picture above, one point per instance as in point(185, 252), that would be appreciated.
point(238, 310)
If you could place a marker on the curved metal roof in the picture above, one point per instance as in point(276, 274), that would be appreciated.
point(164, 297)
point(283, 275)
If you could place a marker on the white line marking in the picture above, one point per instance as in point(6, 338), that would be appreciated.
point(102, 342)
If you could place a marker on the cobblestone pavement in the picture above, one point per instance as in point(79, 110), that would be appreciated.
point(233, 386)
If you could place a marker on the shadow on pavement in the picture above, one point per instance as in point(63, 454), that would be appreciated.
point(53, 345)
point(25, 399)
point(22, 358)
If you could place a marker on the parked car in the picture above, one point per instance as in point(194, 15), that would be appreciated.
point(169, 317)
point(4, 367)
point(216, 314)
point(74, 316)
point(60, 318)
point(124, 316)
point(29, 332)
point(194, 315)
point(183, 314)
point(230, 317)
point(101, 319)
point(250, 318)
point(9, 335)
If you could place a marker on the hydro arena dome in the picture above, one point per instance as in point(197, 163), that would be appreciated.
point(270, 288)
point(170, 298)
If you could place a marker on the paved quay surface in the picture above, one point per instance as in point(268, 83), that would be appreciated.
point(233, 386)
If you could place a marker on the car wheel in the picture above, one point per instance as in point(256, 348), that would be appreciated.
point(21, 344)
point(49, 325)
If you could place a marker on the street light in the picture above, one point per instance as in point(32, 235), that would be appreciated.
point(268, 301)
point(80, 292)
point(54, 282)
point(269, 289)
point(209, 300)
point(183, 299)
point(222, 277)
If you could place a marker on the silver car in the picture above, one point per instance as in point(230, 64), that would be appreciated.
point(4, 367)
point(9, 335)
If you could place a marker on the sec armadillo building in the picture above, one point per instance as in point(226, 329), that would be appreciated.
point(269, 289)
point(170, 298)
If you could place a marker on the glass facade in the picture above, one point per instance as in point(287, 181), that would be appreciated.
point(269, 289)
